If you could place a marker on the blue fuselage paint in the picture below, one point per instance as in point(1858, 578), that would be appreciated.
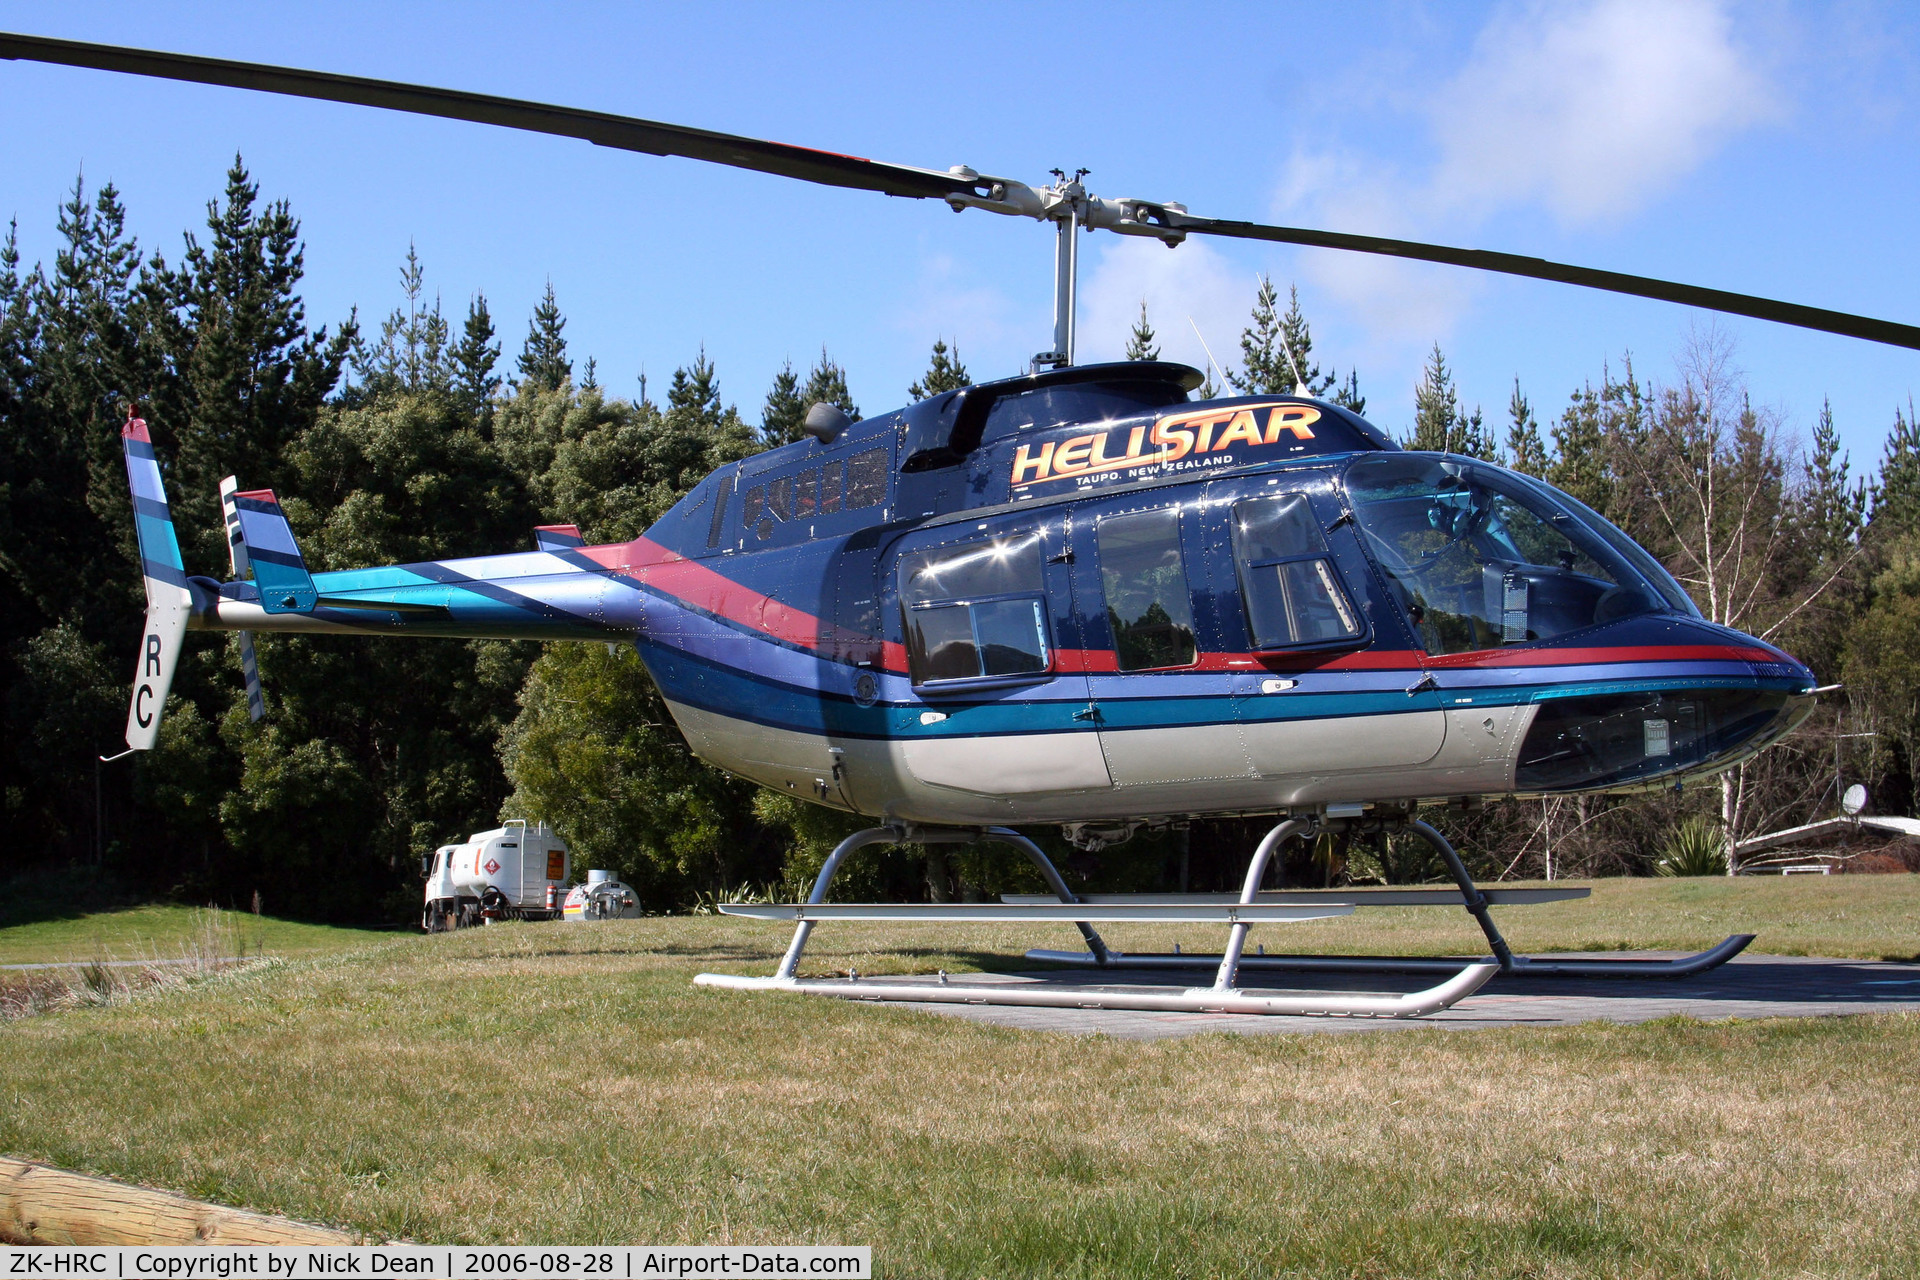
point(767, 607)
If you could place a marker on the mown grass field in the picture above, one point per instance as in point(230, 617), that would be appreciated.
point(555, 1083)
point(159, 932)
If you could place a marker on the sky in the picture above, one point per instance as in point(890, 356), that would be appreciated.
point(1760, 147)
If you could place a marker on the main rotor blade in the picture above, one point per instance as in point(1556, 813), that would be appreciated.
point(1513, 264)
point(597, 127)
point(831, 169)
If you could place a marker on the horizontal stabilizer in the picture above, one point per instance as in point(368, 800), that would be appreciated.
point(557, 537)
point(266, 543)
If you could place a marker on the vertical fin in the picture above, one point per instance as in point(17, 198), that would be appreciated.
point(169, 602)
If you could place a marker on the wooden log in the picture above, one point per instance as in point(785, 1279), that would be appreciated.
point(42, 1205)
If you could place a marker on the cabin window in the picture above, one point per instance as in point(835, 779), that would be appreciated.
point(1291, 592)
point(1148, 604)
point(754, 515)
point(840, 485)
point(976, 611)
point(867, 479)
point(833, 478)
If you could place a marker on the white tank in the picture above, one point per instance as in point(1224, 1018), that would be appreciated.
point(601, 898)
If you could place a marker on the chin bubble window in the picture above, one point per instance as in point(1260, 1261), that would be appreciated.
point(1292, 593)
point(975, 612)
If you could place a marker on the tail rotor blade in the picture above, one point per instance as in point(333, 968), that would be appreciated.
point(256, 696)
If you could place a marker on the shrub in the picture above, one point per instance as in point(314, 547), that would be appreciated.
point(1696, 848)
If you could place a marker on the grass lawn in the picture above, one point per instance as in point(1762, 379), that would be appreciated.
point(159, 932)
point(565, 1083)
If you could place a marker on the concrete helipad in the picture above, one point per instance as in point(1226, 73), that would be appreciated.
point(1749, 986)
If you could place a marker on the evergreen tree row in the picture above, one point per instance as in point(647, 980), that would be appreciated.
point(408, 441)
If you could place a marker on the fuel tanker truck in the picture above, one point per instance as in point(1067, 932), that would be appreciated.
point(515, 872)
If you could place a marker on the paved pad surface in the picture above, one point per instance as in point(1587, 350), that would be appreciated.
point(1746, 987)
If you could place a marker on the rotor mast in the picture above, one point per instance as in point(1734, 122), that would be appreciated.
point(1066, 204)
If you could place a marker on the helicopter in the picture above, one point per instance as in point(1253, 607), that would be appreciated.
point(1075, 597)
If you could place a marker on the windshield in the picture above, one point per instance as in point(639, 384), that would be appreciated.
point(1480, 558)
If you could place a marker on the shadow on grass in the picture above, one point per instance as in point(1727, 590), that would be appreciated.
point(63, 893)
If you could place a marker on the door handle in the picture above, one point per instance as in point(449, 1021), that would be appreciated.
point(1090, 713)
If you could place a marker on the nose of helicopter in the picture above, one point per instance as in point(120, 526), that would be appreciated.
point(1682, 697)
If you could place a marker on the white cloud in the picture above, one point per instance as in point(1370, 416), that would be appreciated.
point(1593, 111)
point(1189, 287)
point(1588, 112)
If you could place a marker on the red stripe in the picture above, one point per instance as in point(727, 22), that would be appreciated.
point(136, 429)
point(697, 585)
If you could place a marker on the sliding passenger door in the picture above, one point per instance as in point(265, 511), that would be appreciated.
point(999, 702)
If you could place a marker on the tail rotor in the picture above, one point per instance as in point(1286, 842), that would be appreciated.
point(237, 557)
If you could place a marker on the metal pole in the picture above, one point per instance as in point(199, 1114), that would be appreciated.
point(1250, 892)
point(1066, 251)
point(1007, 835)
point(1476, 901)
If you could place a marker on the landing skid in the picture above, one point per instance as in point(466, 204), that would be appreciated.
point(1521, 966)
point(1476, 901)
point(1415, 1004)
point(1224, 996)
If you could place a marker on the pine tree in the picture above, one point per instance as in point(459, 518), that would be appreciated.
point(784, 411)
point(411, 354)
point(1347, 394)
point(250, 376)
point(693, 398)
point(1835, 505)
point(1526, 453)
point(474, 382)
point(590, 379)
point(828, 384)
point(1140, 343)
point(543, 361)
point(1276, 351)
point(1896, 496)
point(1438, 423)
point(943, 374)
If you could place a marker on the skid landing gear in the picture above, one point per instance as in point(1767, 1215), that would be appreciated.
point(1476, 903)
point(1223, 996)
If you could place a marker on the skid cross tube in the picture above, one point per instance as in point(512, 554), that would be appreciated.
point(790, 963)
point(1476, 901)
point(1249, 893)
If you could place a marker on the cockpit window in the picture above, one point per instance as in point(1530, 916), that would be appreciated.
point(1481, 559)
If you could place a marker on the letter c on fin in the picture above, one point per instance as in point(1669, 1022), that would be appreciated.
point(142, 716)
